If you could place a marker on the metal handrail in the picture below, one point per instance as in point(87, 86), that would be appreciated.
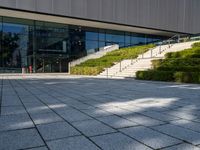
point(137, 59)
point(176, 38)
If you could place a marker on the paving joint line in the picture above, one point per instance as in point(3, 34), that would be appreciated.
point(64, 119)
point(141, 125)
point(112, 128)
point(29, 114)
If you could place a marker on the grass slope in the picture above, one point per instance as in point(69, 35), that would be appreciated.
point(96, 66)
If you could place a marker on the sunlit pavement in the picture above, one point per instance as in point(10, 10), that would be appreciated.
point(78, 113)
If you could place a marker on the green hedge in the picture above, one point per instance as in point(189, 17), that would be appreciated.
point(183, 77)
point(85, 70)
point(187, 77)
point(95, 66)
point(183, 66)
point(155, 75)
point(197, 44)
point(180, 68)
point(188, 53)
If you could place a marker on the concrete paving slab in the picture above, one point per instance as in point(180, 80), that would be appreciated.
point(45, 118)
point(95, 112)
point(183, 146)
point(20, 139)
point(73, 143)
point(14, 122)
point(39, 148)
point(117, 122)
point(118, 141)
point(143, 120)
point(187, 124)
point(11, 110)
point(72, 115)
point(93, 127)
point(57, 130)
point(149, 137)
point(181, 133)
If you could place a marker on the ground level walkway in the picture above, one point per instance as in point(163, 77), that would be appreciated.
point(77, 113)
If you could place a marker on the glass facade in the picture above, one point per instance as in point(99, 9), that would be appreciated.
point(48, 47)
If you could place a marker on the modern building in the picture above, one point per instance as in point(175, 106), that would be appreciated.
point(44, 35)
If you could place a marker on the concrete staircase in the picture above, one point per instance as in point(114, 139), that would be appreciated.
point(128, 68)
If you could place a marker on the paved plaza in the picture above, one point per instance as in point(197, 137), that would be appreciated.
point(79, 113)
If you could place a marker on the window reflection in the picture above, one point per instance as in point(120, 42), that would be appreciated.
point(15, 44)
point(102, 35)
point(91, 35)
point(48, 47)
point(92, 46)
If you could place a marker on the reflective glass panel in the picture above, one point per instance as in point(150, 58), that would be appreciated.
point(1, 60)
point(102, 44)
point(51, 38)
point(91, 35)
point(115, 37)
point(102, 35)
point(91, 46)
point(15, 43)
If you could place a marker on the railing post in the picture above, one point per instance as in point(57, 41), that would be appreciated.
point(178, 39)
point(69, 67)
point(120, 66)
point(160, 49)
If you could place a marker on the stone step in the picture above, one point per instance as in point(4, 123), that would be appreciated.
point(143, 62)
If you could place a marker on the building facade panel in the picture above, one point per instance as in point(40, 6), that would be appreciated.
point(120, 16)
point(27, 5)
point(157, 14)
point(79, 8)
point(93, 9)
point(61, 7)
point(8, 3)
point(45, 6)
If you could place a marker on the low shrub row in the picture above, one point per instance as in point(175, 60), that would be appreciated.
point(179, 62)
point(85, 70)
point(180, 68)
point(155, 75)
point(95, 66)
point(183, 66)
point(183, 77)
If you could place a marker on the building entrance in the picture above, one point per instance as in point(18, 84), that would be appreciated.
point(51, 64)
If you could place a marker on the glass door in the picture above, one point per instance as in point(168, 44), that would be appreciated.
point(51, 64)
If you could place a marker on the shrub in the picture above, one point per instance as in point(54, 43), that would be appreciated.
point(187, 77)
point(183, 77)
point(155, 75)
point(197, 44)
point(188, 53)
point(85, 70)
point(180, 68)
point(182, 64)
point(156, 63)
